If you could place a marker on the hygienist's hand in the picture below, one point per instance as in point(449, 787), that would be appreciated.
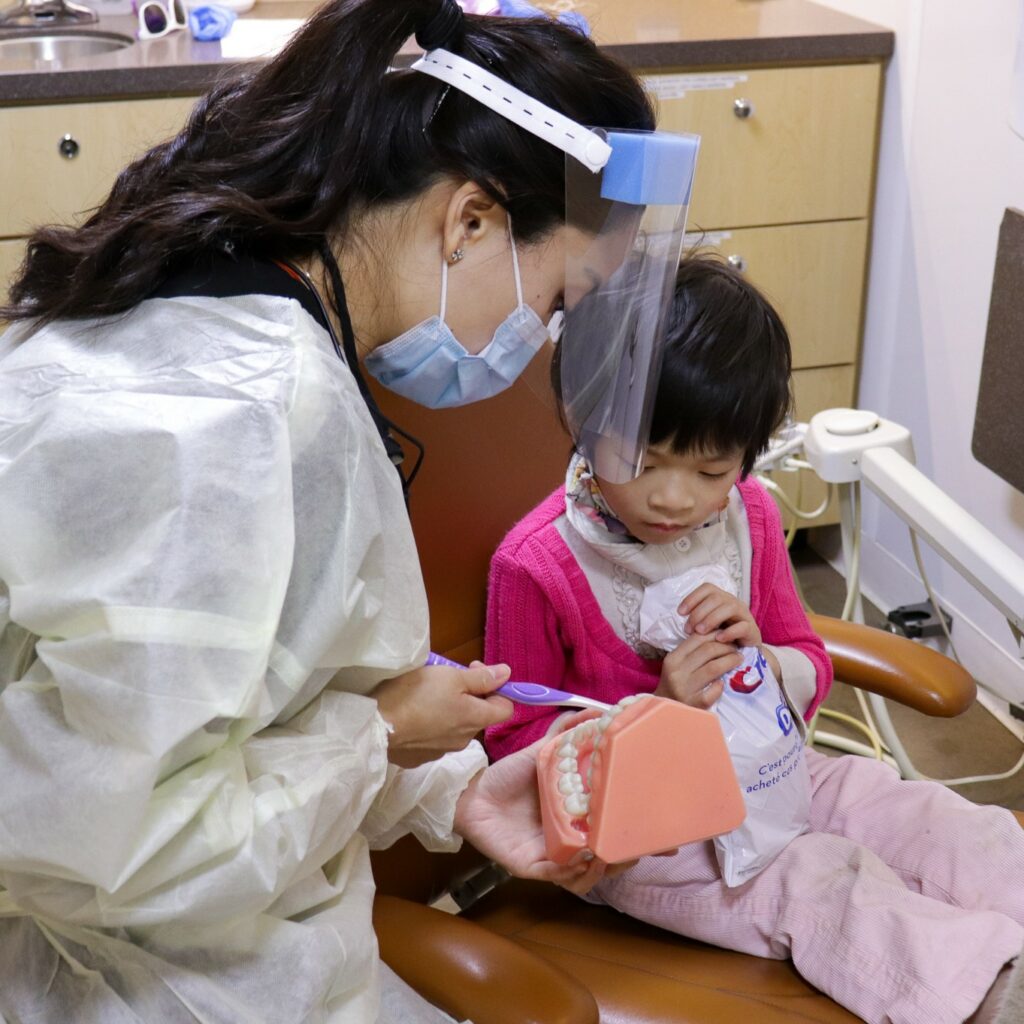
point(691, 674)
point(435, 710)
point(499, 813)
point(710, 608)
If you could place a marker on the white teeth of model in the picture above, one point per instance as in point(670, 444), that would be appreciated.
point(577, 804)
point(568, 749)
point(626, 701)
point(570, 783)
point(603, 722)
point(567, 764)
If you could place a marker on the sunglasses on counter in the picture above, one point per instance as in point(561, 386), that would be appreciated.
point(158, 19)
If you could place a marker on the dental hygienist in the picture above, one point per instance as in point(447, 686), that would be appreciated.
point(212, 617)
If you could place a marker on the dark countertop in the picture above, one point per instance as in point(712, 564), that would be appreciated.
point(649, 35)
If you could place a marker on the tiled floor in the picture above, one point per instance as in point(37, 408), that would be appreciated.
point(973, 744)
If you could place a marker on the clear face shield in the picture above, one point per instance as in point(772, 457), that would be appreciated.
point(625, 227)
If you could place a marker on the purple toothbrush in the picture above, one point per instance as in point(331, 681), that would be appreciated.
point(531, 693)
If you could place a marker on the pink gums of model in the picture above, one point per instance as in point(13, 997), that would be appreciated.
point(648, 775)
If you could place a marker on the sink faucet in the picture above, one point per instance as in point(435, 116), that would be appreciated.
point(40, 13)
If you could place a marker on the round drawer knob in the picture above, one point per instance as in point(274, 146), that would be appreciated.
point(737, 262)
point(68, 147)
point(742, 108)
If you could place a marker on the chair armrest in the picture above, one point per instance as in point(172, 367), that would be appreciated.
point(473, 973)
point(895, 667)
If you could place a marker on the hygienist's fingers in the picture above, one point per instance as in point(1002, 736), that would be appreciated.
point(481, 679)
point(580, 878)
point(502, 708)
point(585, 882)
point(617, 869)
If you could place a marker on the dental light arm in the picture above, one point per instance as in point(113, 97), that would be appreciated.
point(848, 445)
point(976, 553)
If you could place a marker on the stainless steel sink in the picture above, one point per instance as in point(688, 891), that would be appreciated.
point(55, 47)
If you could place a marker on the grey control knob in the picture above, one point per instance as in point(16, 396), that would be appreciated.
point(68, 147)
point(737, 262)
point(742, 108)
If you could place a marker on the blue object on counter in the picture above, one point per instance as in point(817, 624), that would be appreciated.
point(522, 9)
point(211, 22)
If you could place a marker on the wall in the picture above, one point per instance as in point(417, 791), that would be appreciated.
point(949, 164)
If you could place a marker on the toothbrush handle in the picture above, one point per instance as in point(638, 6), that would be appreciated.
point(528, 693)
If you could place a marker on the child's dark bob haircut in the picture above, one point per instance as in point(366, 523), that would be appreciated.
point(725, 380)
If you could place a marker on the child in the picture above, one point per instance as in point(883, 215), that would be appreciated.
point(903, 902)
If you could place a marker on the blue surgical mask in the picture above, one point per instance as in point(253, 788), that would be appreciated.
point(428, 365)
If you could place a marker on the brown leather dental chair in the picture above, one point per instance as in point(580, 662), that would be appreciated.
point(529, 952)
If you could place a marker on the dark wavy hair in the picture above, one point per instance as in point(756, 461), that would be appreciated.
point(725, 379)
point(279, 161)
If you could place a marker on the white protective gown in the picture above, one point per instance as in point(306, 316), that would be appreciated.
point(205, 565)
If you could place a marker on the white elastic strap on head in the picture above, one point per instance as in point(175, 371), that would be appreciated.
point(586, 146)
point(515, 270)
point(515, 263)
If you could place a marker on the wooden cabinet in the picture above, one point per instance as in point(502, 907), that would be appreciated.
point(65, 158)
point(804, 151)
point(783, 190)
point(12, 252)
point(40, 184)
point(812, 273)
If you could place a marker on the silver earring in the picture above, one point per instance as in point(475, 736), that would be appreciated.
point(456, 256)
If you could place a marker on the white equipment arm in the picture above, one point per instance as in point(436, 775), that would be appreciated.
point(993, 568)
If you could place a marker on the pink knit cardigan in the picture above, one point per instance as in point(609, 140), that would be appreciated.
point(544, 621)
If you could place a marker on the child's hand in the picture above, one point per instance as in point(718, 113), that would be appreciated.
point(709, 608)
point(691, 673)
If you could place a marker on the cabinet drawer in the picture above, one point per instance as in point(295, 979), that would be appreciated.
point(813, 274)
point(824, 387)
point(804, 153)
point(40, 185)
point(11, 254)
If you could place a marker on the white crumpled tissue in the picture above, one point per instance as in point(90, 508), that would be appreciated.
point(661, 625)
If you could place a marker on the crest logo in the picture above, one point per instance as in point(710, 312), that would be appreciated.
point(785, 719)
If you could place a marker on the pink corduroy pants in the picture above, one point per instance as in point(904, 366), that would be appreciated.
point(901, 903)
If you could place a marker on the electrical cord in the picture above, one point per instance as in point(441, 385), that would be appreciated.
point(855, 723)
point(868, 726)
point(772, 486)
point(791, 532)
point(970, 779)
